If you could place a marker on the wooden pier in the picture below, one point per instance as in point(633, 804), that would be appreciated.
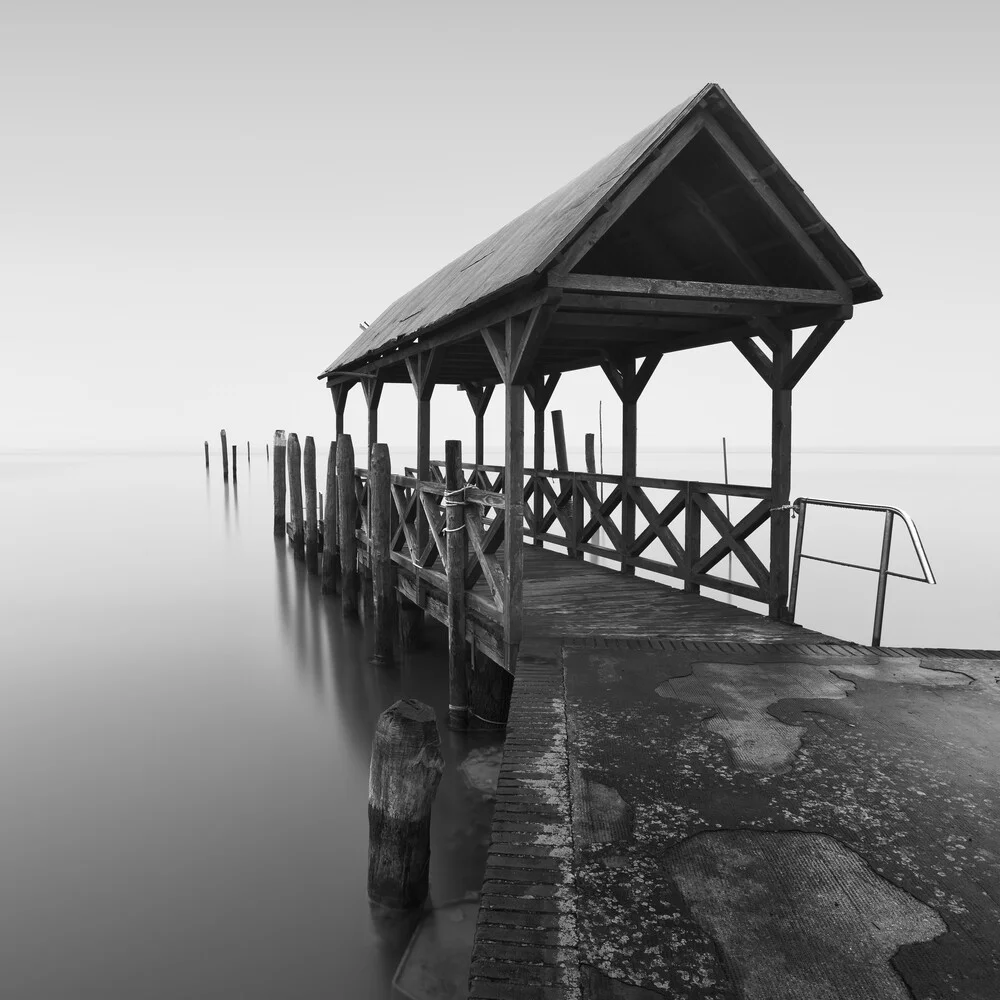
point(658, 737)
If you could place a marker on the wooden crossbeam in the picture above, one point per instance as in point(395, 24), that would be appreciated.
point(607, 284)
point(600, 513)
point(805, 356)
point(539, 389)
point(658, 524)
point(596, 302)
point(731, 540)
point(761, 362)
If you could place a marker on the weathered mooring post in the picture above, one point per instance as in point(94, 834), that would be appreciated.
point(379, 551)
point(225, 457)
point(405, 772)
point(588, 453)
point(457, 549)
point(234, 463)
point(206, 454)
point(312, 527)
point(248, 452)
point(347, 516)
point(295, 496)
point(331, 562)
point(279, 482)
point(267, 452)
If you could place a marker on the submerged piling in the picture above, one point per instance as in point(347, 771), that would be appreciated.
point(225, 456)
point(347, 516)
point(312, 529)
point(206, 454)
point(331, 562)
point(295, 496)
point(279, 482)
point(405, 772)
point(234, 463)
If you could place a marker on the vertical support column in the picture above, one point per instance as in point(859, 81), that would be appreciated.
point(513, 537)
point(234, 464)
point(781, 476)
point(331, 548)
point(456, 538)
point(278, 474)
point(380, 560)
point(347, 516)
point(539, 391)
point(373, 394)
point(225, 457)
point(312, 526)
point(630, 409)
point(479, 398)
point(422, 370)
point(295, 496)
point(339, 393)
point(206, 454)
point(692, 541)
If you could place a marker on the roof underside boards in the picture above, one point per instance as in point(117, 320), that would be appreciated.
point(723, 210)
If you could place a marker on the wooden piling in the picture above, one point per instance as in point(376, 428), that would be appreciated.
point(267, 452)
point(225, 457)
point(347, 516)
point(295, 496)
point(206, 454)
point(405, 772)
point(248, 452)
point(490, 688)
point(312, 527)
point(588, 451)
point(410, 618)
point(380, 559)
point(457, 549)
point(331, 549)
point(279, 482)
point(234, 463)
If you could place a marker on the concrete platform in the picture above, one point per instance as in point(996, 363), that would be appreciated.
point(707, 819)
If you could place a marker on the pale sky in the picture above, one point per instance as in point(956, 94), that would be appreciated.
point(202, 200)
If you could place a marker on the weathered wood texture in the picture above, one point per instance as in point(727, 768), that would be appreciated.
point(298, 534)
point(225, 456)
point(331, 543)
point(312, 526)
point(347, 515)
point(781, 480)
point(406, 769)
point(234, 463)
point(457, 546)
point(379, 534)
point(278, 480)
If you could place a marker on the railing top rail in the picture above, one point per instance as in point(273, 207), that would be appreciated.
point(918, 547)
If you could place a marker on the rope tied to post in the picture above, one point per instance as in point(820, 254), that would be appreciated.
point(446, 502)
point(786, 506)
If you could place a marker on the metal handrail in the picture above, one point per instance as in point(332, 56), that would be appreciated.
point(799, 508)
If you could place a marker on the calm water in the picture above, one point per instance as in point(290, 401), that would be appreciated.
point(186, 732)
point(187, 724)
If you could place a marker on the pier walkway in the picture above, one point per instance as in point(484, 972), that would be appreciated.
point(699, 802)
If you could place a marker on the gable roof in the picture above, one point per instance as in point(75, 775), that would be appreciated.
point(523, 248)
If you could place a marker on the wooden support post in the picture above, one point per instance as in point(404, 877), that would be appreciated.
point(278, 479)
point(411, 622)
point(331, 548)
point(347, 516)
point(457, 546)
point(405, 772)
point(295, 496)
point(513, 537)
point(781, 479)
point(312, 527)
point(225, 456)
point(422, 369)
point(339, 393)
point(379, 555)
point(234, 463)
point(206, 454)
point(479, 398)
point(692, 541)
point(373, 394)
point(539, 391)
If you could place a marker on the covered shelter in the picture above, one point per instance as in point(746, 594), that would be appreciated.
point(689, 234)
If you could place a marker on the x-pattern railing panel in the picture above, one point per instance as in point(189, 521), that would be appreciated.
point(732, 538)
point(658, 523)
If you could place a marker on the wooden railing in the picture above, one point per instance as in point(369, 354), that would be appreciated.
point(578, 511)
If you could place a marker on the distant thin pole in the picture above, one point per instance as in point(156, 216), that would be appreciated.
point(267, 451)
point(725, 473)
point(248, 451)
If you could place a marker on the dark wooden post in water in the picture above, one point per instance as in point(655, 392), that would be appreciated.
point(539, 391)
point(234, 463)
point(267, 452)
point(405, 772)
point(331, 562)
point(295, 496)
point(225, 457)
point(206, 454)
point(347, 516)
point(279, 482)
point(479, 398)
point(248, 452)
point(457, 549)
point(312, 528)
point(380, 538)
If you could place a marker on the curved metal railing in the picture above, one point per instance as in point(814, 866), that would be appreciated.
point(799, 508)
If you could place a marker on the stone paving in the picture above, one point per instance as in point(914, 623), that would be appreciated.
point(744, 820)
